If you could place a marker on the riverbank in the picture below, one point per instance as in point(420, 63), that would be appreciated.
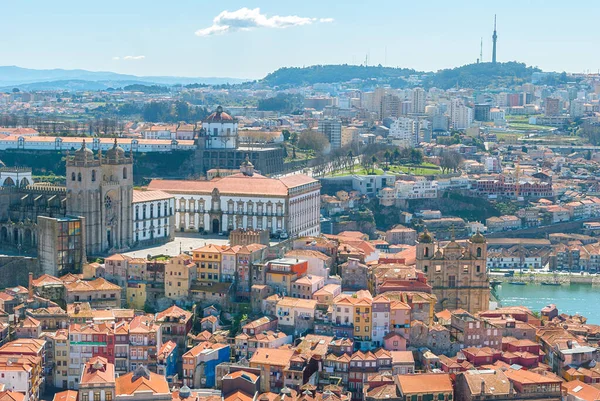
point(570, 299)
point(539, 278)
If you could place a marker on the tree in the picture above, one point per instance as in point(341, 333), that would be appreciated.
point(286, 134)
point(350, 161)
point(373, 163)
point(387, 156)
point(312, 140)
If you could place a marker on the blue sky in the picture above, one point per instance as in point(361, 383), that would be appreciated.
point(159, 38)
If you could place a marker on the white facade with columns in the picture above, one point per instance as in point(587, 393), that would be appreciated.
point(248, 201)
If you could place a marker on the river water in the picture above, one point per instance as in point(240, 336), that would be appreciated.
point(570, 299)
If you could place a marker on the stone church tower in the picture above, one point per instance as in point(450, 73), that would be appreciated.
point(457, 272)
point(101, 190)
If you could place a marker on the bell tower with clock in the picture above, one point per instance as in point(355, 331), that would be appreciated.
point(101, 190)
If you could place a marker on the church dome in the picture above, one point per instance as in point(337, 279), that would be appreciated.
point(425, 237)
point(84, 153)
point(219, 116)
point(116, 153)
point(478, 238)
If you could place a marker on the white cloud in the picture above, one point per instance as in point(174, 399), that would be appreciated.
point(246, 19)
point(134, 57)
point(116, 58)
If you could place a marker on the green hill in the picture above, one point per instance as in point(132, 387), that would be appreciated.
point(297, 76)
point(477, 76)
point(482, 75)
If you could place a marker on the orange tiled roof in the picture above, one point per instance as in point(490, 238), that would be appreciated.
point(8, 395)
point(425, 383)
point(97, 370)
point(141, 380)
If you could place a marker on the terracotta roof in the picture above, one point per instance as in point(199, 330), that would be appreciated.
point(98, 284)
point(278, 357)
point(493, 383)
point(243, 374)
point(148, 196)
point(67, 395)
point(8, 395)
point(425, 383)
point(143, 324)
point(166, 349)
point(238, 396)
point(529, 377)
point(174, 312)
point(23, 346)
point(198, 349)
point(29, 322)
point(97, 370)
point(47, 279)
point(141, 380)
point(581, 390)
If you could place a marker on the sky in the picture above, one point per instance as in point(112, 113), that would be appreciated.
point(249, 39)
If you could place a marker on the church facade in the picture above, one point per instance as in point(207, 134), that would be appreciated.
point(456, 272)
point(100, 189)
point(217, 147)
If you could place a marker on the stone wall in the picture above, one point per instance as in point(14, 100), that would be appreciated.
point(14, 270)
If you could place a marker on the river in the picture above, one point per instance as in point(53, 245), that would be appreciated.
point(575, 298)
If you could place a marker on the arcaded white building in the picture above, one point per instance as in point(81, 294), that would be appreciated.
point(246, 200)
point(153, 216)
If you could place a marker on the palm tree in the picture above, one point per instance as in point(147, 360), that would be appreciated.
point(387, 155)
point(373, 162)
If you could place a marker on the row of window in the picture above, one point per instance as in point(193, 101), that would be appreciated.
point(78, 176)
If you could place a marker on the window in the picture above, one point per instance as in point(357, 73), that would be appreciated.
point(124, 173)
point(108, 396)
point(93, 175)
point(85, 396)
point(79, 177)
point(96, 396)
point(73, 176)
point(451, 281)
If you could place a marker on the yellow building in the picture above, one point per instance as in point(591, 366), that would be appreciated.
point(136, 295)
point(356, 311)
point(180, 271)
point(61, 358)
point(208, 261)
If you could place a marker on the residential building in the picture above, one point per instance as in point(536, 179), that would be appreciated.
point(199, 364)
point(97, 381)
point(332, 130)
point(180, 271)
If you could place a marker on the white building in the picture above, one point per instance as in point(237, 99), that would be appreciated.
point(153, 216)
point(461, 116)
point(418, 100)
point(221, 130)
point(246, 200)
point(404, 132)
point(492, 164)
point(421, 189)
point(159, 132)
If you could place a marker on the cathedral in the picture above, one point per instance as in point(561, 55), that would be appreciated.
point(457, 272)
point(100, 189)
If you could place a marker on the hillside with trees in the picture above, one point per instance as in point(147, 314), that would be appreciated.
point(298, 76)
point(475, 76)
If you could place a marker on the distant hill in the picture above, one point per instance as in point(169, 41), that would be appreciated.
point(296, 76)
point(16, 76)
point(482, 75)
point(475, 76)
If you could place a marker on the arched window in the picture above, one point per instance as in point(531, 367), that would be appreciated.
point(144, 212)
point(151, 210)
point(73, 176)
point(137, 212)
point(426, 252)
point(93, 175)
point(165, 209)
point(479, 252)
point(79, 177)
point(124, 172)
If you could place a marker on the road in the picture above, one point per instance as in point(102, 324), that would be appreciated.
point(183, 242)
